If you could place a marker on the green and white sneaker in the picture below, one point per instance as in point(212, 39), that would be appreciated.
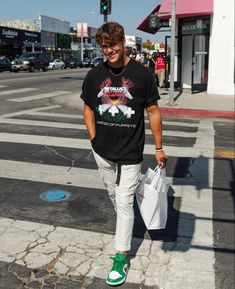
point(118, 273)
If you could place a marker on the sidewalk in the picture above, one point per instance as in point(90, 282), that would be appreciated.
point(197, 105)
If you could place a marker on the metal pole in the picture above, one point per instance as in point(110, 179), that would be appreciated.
point(105, 18)
point(82, 41)
point(172, 62)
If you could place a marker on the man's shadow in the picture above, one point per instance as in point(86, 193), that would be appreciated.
point(168, 235)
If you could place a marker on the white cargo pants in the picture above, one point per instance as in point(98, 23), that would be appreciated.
point(121, 195)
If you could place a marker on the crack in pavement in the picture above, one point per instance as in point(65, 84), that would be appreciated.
point(62, 156)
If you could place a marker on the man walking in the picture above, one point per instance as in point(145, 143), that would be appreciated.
point(115, 94)
point(160, 69)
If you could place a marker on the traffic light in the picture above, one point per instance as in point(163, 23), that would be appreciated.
point(105, 7)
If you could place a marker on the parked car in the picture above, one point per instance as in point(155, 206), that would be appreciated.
point(30, 61)
point(96, 61)
point(86, 62)
point(56, 64)
point(74, 63)
point(5, 64)
point(66, 63)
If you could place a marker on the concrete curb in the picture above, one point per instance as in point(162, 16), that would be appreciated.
point(184, 112)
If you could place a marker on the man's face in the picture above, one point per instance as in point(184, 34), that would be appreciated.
point(113, 52)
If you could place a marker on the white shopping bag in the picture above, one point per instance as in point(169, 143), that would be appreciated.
point(151, 197)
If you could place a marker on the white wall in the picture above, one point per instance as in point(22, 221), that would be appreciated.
point(221, 62)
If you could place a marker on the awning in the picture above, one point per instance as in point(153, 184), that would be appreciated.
point(186, 8)
point(144, 25)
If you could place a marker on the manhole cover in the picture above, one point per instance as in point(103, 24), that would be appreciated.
point(55, 195)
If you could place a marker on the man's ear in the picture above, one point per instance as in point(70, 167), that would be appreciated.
point(124, 40)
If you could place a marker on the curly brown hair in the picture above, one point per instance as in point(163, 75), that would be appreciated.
point(110, 32)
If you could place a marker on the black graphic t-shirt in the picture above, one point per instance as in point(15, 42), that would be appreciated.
point(118, 102)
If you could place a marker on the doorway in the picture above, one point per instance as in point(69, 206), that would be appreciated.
point(194, 72)
point(200, 52)
point(191, 62)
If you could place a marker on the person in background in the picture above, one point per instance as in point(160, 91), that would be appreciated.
point(133, 54)
point(127, 50)
point(145, 60)
point(152, 64)
point(116, 94)
point(160, 69)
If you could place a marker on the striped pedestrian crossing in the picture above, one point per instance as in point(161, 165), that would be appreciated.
point(47, 148)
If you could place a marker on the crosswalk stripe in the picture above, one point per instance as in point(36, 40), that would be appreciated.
point(19, 90)
point(82, 126)
point(72, 176)
point(29, 111)
point(40, 123)
point(59, 115)
point(77, 116)
point(35, 112)
point(2, 86)
point(39, 96)
point(85, 144)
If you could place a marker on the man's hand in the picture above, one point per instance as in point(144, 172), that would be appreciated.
point(161, 159)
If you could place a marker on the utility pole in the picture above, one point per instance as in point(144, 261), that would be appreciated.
point(82, 41)
point(172, 62)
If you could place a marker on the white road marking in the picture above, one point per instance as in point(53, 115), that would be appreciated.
point(19, 90)
point(72, 176)
point(85, 144)
point(29, 111)
point(81, 126)
point(39, 96)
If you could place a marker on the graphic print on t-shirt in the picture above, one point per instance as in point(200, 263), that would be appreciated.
point(114, 99)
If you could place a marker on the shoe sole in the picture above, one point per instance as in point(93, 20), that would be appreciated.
point(117, 283)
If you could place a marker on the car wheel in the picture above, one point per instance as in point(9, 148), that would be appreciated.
point(45, 68)
point(62, 67)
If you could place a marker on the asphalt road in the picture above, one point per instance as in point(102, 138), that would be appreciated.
point(69, 80)
point(34, 131)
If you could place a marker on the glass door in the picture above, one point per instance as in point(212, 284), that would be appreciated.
point(200, 63)
point(177, 60)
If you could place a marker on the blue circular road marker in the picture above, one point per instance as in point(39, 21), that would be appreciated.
point(55, 195)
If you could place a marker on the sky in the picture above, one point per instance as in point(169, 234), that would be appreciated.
point(129, 13)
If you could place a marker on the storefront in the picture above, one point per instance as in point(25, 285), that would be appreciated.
point(56, 38)
point(191, 55)
point(13, 42)
point(204, 54)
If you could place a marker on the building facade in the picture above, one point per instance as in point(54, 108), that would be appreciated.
point(204, 54)
point(13, 41)
point(53, 36)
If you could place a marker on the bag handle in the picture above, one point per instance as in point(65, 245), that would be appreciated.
point(157, 168)
point(156, 177)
